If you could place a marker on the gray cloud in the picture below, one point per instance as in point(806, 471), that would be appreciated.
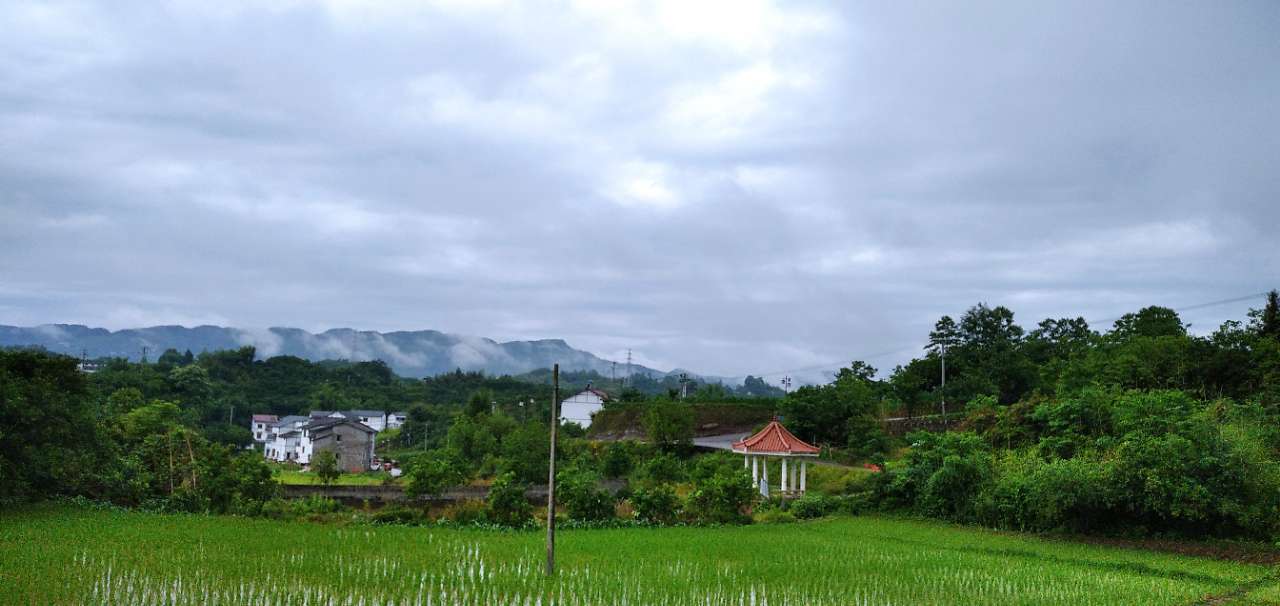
point(730, 187)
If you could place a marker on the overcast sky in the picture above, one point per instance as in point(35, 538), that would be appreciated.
point(729, 187)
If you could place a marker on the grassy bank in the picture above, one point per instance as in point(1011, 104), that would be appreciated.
point(62, 555)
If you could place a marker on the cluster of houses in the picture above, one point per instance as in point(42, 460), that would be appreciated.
point(349, 434)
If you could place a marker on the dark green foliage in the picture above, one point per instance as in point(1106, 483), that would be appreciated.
point(433, 473)
point(579, 490)
point(1130, 462)
point(526, 451)
point(507, 505)
point(617, 460)
point(721, 499)
point(661, 468)
point(813, 506)
point(669, 424)
point(656, 505)
point(50, 440)
point(1149, 322)
point(844, 413)
point(325, 465)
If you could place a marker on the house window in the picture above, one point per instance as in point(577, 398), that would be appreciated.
point(338, 437)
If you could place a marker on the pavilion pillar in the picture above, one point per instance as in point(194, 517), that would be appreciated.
point(782, 484)
point(755, 470)
point(804, 469)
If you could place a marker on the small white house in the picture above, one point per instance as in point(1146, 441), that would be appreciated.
point(579, 407)
point(373, 419)
point(261, 427)
point(284, 446)
point(396, 419)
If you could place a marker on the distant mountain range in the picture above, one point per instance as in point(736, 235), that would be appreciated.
point(418, 353)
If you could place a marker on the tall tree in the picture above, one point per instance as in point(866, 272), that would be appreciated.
point(1153, 321)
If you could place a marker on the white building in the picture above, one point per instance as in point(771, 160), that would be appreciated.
point(288, 438)
point(396, 419)
point(579, 407)
point(284, 446)
point(261, 427)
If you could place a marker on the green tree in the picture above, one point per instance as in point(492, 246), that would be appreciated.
point(1154, 321)
point(1266, 321)
point(435, 472)
point(480, 402)
point(325, 465)
point(722, 498)
point(507, 504)
point(579, 490)
point(669, 424)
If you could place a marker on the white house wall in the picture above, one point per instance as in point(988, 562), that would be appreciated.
point(579, 408)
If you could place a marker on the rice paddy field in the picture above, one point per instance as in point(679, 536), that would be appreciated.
point(67, 555)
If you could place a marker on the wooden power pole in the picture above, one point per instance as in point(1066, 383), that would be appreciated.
point(551, 476)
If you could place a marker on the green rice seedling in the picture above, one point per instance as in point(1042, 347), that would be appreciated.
point(67, 555)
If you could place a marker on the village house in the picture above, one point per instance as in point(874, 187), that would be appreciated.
point(296, 438)
point(396, 419)
point(579, 407)
point(350, 440)
point(261, 427)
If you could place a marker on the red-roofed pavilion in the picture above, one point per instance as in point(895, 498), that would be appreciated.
point(775, 441)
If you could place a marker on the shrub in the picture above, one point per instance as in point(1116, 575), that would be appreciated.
point(721, 499)
point(812, 506)
point(434, 472)
point(662, 468)
point(616, 461)
point(399, 515)
point(669, 424)
point(470, 511)
point(507, 505)
point(773, 516)
point(325, 465)
point(580, 492)
point(657, 505)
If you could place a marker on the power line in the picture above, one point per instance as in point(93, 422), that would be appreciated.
point(1192, 307)
point(839, 363)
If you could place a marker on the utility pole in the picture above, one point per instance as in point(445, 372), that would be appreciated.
point(551, 474)
point(144, 354)
point(786, 384)
point(944, 385)
point(628, 379)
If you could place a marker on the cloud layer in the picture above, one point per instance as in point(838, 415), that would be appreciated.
point(730, 187)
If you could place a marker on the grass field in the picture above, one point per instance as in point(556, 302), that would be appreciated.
point(62, 555)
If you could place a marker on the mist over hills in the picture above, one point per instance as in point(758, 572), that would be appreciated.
point(409, 353)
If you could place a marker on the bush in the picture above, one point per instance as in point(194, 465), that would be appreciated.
point(434, 472)
point(660, 469)
point(812, 506)
point(721, 499)
point(669, 424)
point(580, 492)
point(657, 505)
point(773, 516)
point(399, 515)
point(470, 511)
point(507, 505)
point(616, 461)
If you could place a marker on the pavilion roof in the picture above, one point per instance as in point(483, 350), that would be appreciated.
point(775, 439)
